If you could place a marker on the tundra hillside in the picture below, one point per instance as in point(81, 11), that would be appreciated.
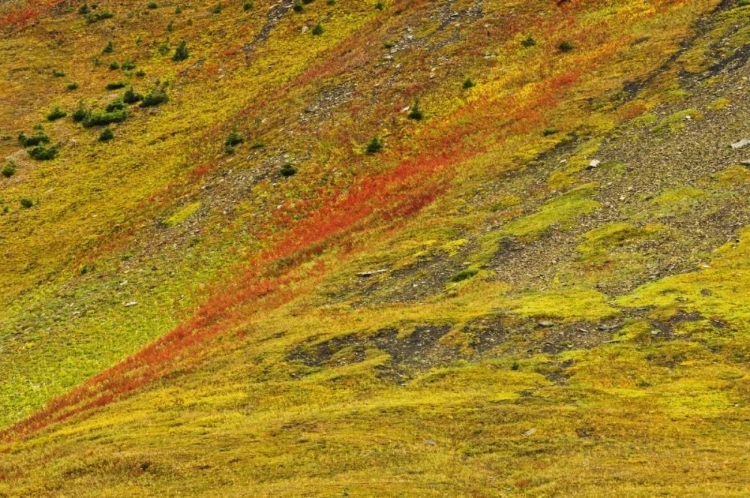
point(344, 247)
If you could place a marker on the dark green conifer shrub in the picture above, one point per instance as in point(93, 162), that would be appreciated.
point(131, 97)
point(106, 135)
point(80, 114)
point(375, 146)
point(565, 46)
point(43, 152)
point(155, 98)
point(104, 118)
point(98, 16)
point(9, 169)
point(115, 105)
point(39, 137)
point(288, 170)
point(181, 52)
point(415, 113)
point(528, 42)
point(56, 114)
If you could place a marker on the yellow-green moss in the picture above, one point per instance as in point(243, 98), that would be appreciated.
point(182, 214)
point(561, 212)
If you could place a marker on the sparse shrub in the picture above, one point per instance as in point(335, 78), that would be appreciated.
point(565, 46)
point(127, 66)
point(375, 146)
point(98, 16)
point(97, 62)
point(57, 73)
point(307, 1)
point(181, 52)
point(26, 203)
point(152, 6)
point(56, 114)
point(39, 137)
point(80, 114)
point(72, 86)
point(178, 10)
point(257, 145)
point(515, 366)
point(288, 170)
point(140, 73)
point(297, 6)
point(233, 139)
point(388, 45)
point(84, 9)
point(108, 48)
point(415, 112)
point(379, 6)
point(114, 65)
point(43, 152)
point(247, 6)
point(106, 135)
point(115, 105)
point(115, 85)
point(550, 131)
point(331, 2)
point(528, 42)
point(155, 98)
point(9, 169)
point(318, 30)
point(170, 26)
point(217, 9)
point(131, 97)
point(104, 118)
point(163, 47)
point(464, 275)
point(468, 83)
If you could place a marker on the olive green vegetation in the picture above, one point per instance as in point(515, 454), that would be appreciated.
point(540, 325)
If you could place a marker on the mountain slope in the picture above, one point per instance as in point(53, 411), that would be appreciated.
point(478, 306)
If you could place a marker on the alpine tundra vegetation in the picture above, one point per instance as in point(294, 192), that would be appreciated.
point(357, 248)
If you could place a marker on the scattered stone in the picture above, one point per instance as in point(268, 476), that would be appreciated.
point(593, 164)
point(741, 144)
point(546, 324)
point(131, 303)
point(431, 442)
point(530, 432)
point(746, 162)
